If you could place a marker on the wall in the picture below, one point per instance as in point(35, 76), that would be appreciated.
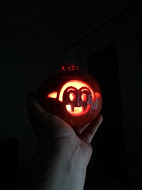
point(122, 30)
point(22, 68)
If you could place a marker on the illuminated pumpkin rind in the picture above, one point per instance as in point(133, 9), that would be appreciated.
point(54, 104)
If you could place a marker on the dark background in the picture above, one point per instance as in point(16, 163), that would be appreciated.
point(103, 37)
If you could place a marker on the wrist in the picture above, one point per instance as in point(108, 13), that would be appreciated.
point(56, 168)
point(66, 169)
point(69, 152)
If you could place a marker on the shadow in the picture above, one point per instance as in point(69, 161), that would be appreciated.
point(8, 164)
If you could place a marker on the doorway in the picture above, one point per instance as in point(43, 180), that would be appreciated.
point(109, 159)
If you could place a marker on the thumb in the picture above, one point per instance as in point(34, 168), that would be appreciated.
point(90, 131)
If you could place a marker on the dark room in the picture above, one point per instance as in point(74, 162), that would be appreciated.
point(71, 95)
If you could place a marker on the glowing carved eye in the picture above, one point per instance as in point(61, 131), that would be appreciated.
point(72, 96)
point(84, 97)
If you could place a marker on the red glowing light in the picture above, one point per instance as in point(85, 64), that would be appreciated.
point(72, 96)
point(52, 95)
point(77, 84)
point(84, 97)
point(80, 110)
point(62, 68)
point(97, 95)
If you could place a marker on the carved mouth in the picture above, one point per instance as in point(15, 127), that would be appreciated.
point(76, 111)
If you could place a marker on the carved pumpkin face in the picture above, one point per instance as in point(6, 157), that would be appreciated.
point(71, 94)
point(77, 96)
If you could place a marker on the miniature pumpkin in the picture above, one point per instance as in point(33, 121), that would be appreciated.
point(71, 94)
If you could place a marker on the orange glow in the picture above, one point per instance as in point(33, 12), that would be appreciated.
point(72, 96)
point(68, 107)
point(77, 110)
point(70, 67)
point(97, 95)
point(77, 84)
point(52, 95)
point(84, 97)
point(70, 89)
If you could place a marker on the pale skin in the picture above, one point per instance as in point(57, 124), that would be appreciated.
point(64, 154)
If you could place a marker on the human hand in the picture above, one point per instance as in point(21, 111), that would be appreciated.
point(53, 132)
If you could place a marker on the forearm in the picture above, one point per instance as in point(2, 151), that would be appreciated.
point(65, 175)
point(61, 171)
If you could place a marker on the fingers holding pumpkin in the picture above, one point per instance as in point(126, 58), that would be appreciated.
point(46, 123)
point(33, 108)
point(79, 130)
point(91, 129)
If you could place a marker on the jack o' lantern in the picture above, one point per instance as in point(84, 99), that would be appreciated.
point(71, 94)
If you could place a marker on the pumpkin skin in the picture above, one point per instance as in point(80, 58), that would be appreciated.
point(72, 94)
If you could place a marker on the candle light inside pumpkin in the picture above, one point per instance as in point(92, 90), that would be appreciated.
point(82, 101)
